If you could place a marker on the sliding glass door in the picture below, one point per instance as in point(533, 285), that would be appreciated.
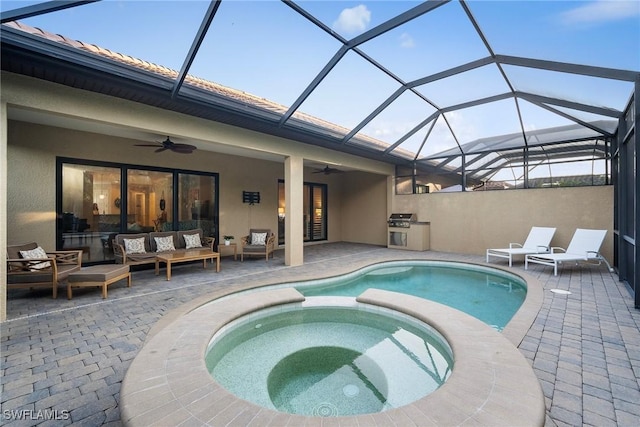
point(98, 200)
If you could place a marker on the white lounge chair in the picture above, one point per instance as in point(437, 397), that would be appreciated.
point(537, 242)
point(584, 246)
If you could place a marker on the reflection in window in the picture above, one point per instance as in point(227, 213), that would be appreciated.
point(90, 210)
point(149, 200)
point(197, 195)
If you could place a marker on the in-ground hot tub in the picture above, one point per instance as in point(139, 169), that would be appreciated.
point(333, 360)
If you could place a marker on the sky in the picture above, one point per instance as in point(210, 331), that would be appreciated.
point(267, 49)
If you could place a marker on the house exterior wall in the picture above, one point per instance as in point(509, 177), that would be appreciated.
point(33, 149)
point(471, 222)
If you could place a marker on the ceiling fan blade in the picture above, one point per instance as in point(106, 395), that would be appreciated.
point(160, 150)
point(183, 146)
point(146, 145)
point(182, 151)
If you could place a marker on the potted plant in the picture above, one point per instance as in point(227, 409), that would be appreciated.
point(227, 239)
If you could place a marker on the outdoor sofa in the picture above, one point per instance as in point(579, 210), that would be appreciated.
point(142, 248)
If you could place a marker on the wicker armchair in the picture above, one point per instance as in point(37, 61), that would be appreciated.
point(32, 273)
point(250, 247)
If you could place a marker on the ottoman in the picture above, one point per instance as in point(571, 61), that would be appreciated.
point(98, 276)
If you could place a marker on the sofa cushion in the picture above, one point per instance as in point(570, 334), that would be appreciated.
point(181, 240)
point(120, 239)
point(192, 241)
point(164, 244)
point(134, 246)
point(152, 238)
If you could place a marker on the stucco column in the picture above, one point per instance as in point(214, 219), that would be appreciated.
point(3, 211)
point(294, 223)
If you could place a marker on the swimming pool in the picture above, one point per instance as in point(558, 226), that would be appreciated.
point(487, 294)
point(169, 379)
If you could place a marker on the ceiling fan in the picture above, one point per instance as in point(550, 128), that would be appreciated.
point(167, 144)
point(327, 170)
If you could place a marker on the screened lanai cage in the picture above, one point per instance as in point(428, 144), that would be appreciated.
point(460, 95)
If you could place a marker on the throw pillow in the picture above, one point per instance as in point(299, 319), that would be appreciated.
point(134, 246)
point(192, 241)
point(259, 238)
point(164, 244)
point(37, 253)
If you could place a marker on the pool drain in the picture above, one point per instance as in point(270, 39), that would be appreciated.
point(351, 390)
point(325, 409)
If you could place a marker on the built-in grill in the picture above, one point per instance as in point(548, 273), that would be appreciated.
point(402, 220)
point(405, 232)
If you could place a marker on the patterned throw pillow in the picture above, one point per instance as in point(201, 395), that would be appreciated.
point(36, 253)
point(258, 238)
point(192, 241)
point(164, 244)
point(134, 246)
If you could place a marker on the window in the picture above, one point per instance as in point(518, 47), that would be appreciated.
point(98, 200)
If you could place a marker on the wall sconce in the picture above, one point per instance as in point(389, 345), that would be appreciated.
point(281, 213)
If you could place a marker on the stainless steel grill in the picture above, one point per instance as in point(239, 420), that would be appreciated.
point(405, 232)
point(402, 220)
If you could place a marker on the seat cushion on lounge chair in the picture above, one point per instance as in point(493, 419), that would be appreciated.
point(254, 248)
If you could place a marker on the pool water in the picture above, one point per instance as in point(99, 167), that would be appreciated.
point(487, 294)
point(329, 361)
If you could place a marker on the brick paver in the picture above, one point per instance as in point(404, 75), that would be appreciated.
point(62, 362)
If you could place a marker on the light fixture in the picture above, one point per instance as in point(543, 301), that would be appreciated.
point(280, 213)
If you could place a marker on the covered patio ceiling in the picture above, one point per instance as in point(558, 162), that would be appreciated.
point(401, 82)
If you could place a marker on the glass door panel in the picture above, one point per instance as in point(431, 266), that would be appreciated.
point(197, 203)
point(90, 210)
point(149, 200)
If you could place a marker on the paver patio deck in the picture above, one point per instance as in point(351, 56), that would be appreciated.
point(66, 359)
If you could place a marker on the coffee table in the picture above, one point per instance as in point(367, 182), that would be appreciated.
point(190, 255)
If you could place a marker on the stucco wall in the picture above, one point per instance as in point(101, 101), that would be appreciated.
point(364, 209)
point(471, 222)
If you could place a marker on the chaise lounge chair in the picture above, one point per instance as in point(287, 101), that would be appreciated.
point(537, 242)
point(584, 246)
